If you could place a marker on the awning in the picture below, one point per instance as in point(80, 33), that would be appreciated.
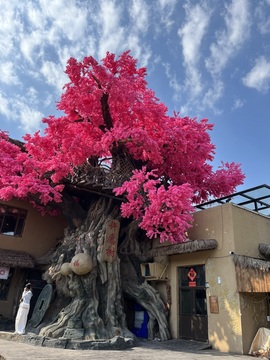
point(13, 258)
point(252, 274)
point(183, 248)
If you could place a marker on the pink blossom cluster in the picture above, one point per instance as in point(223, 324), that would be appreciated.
point(19, 176)
point(108, 108)
point(163, 213)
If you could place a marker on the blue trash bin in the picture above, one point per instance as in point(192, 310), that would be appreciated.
point(140, 322)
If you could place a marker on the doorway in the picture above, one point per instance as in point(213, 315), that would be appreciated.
point(35, 278)
point(193, 321)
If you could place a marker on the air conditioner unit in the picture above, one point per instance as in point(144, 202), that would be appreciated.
point(154, 270)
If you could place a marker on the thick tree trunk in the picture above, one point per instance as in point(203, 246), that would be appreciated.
point(95, 309)
point(150, 300)
point(136, 288)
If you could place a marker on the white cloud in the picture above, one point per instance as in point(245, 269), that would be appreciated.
point(259, 76)
point(264, 26)
point(30, 43)
point(35, 16)
point(191, 35)
point(11, 27)
point(139, 51)
point(32, 95)
point(38, 39)
point(116, 35)
point(54, 75)
point(139, 15)
point(48, 100)
point(21, 110)
point(238, 104)
point(262, 17)
point(167, 3)
point(193, 31)
point(62, 25)
point(212, 95)
point(111, 32)
point(110, 17)
point(184, 110)
point(166, 8)
point(8, 74)
point(29, 118)
point(77, 50)
point(173, 81)
point(4, 105)
point(67, 17)
point(229, 41)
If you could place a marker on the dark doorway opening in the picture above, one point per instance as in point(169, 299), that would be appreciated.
point(193, 321)
point(35, 278)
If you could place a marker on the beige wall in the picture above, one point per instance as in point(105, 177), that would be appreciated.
point(224, 328)
point(250, 229)
point(236, 230)
point(254, 309)
point(215, 223)
point(40, 234)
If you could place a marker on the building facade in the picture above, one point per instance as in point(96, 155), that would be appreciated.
point(25, 236)
point(216, 285)
point(217, 288)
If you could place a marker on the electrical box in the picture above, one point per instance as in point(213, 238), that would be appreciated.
point(154, 270)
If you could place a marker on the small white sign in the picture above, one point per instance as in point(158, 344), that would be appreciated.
point(4, 272)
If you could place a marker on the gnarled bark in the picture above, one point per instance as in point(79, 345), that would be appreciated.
point(95, 310)
point(136, 288)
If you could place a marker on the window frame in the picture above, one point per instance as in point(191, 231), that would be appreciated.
point(17, 216)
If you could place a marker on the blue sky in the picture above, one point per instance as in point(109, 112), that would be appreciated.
point(206, 59)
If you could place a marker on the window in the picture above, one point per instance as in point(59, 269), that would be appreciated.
point(12, 220)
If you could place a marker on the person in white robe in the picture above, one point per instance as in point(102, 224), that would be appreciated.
point(22, 314)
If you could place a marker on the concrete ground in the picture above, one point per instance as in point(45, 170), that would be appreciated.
point(146, 350)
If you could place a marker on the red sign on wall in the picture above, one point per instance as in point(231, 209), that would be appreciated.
point(111, 240)
point(192, 275)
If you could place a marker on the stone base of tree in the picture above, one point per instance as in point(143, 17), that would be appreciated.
point(116, 343)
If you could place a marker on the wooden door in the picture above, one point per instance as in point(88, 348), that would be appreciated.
point(193, 322)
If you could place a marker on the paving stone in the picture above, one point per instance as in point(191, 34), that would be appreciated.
point(16, 348)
